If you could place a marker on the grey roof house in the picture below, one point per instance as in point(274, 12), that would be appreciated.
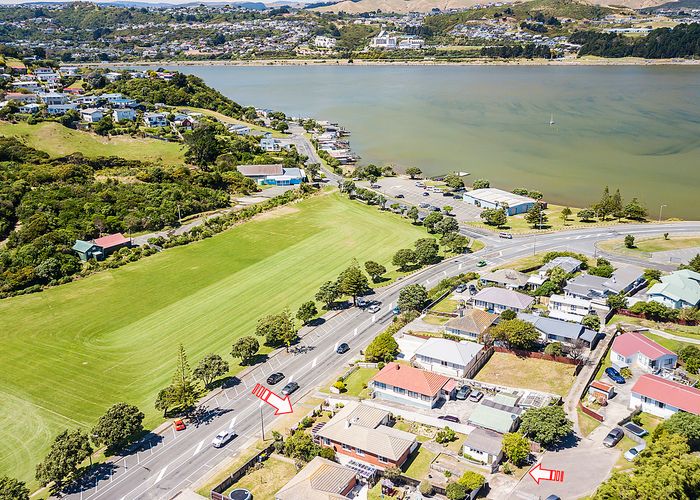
point(497, 300)
point(555, 330)
point(568, 264)
point(455, 359)
point(507, 278)
point(623, 280)
point(485, 446)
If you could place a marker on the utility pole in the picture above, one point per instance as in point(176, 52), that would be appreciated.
point(179, 215)
point(262, 424)
point(660, 211)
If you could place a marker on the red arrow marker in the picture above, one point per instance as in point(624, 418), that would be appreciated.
point(280, 405)
point(539, 474)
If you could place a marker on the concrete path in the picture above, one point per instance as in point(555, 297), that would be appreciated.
point(661, 333)
point(678, 256)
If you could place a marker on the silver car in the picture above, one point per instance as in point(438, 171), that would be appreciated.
point(222, 438)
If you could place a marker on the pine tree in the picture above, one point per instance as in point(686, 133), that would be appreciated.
point(183, 389)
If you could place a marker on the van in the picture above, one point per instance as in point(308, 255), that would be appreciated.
point(507, 236)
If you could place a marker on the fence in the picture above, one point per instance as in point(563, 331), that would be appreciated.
point(627, 312)
point(415, 416)
point(479, 361)
point(539, 355)
point(217, 491)
point(590, 412)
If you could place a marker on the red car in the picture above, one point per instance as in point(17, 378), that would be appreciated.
point(179, 425)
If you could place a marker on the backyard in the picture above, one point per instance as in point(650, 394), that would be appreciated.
point(113, 336)
point(527, 373)
point(264, 482)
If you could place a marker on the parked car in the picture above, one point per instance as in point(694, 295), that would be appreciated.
point(476, 396)
point(424, 205)
point(396, 310)
point(613, 437)
point(420, 184)
point(425, 193)
point(374, 308)
point(275, 378)
point(481, 263)
point(460, 288)
point(289, 388)
point(507, 236)
point(179, 425)
point(463, 392)
point(400, 195)
point(614, 375)
point(449, 418)
point(342, 348)
point(553, 497)
point(447, 193)
point(434, 208)
point(632, 453)
point(635, 429)
point(361, 302)
point(375, 186)
point(222, 438)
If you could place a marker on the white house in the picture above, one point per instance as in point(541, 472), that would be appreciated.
point(632, 349)
point(268, 143)
point(455, 359)
point(153, 120)
point(51, 98)
point(30, 108)
point(59, 109)
point(239, 129)
point(677, 290)
point(324, 42)
point(497, 198)
point(123, 115)
point(484, 446)
point(91, 115)
point(384, 41)
point(497, 300)
point(568, 307)
point(662, 397)
point(411, 386)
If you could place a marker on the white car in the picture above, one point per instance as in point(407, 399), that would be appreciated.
point(374, 308)
point(222, 438)
point(632, 453)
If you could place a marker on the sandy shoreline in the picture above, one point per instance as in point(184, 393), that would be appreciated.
point(360, 62)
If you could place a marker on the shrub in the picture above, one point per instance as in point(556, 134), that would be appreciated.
point(445, 435)
point(425, 488)
point(455, 491)
point(554, 349)
point(472, 480)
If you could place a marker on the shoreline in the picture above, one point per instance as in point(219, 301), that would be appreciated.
point(627, 61)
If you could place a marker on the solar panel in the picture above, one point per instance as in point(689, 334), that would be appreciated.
point(364, 470)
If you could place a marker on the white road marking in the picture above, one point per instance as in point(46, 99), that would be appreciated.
point(374, 318)
point(233, 422)
point(313, 365)
point(160, 476)
point(199, 448)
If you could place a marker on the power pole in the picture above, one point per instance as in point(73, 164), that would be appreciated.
point(262, 424)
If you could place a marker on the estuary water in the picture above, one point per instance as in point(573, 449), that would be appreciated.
point(632, 127)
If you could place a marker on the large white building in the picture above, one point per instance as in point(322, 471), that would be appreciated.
point(497, 198)
point(324, 42)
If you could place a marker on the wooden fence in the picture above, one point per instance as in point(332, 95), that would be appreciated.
point(218, 490)
point(590, 412)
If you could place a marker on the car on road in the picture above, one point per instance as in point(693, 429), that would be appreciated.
point(400, 195)
point(179, 425)
point(342, 348)
point(481, 263)
point(275, 378)
point(460, 288)
point(553, 497)
point(507, 236)
point(222, 438)
point(614, 375)
point(424, 205)
point(396, 310)
point(289, 388)
point(476, 396)
point(374, 308)
point(420, 184)
point(463, 392)
point(632, 453)
point(425, 193)
point(613, 437)
point(449, 418)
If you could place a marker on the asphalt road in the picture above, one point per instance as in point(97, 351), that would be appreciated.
point(170, 462)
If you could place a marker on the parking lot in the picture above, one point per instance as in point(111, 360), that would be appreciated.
point(413, 195)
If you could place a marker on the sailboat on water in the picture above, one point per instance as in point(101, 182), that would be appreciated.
point(551, 119)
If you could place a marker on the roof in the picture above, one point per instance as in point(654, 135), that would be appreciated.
point(321, 479)
point(601, 386)
point(681, 285)
point(458, 353)
point(493, 195)
point(501, 296)
point(411, 379)
point(485, 440)
point(559, 328)
point(111, 240)
point(568, 264)
point(570, 300)
point(255, 170)
point(668, 392)
point(507, 277)
point(356, 425)
point(585, 283)
point(472, 321)
point(623, 277)
point(494, 418)
point(630, 343)
point(82, 246)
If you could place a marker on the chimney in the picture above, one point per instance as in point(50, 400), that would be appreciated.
point(347, 424)
point(398, 367)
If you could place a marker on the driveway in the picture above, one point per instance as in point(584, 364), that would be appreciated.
point(678, 256)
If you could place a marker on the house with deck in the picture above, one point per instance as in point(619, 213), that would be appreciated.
point(565, 332)
point(634, 350)
point(663, 397)
point(569, 307)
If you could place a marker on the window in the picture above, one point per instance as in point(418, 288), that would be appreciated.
point(326, 441)
point(425, 398)
point(399, 390)
point(359, 452)
point(382, 459)
point(380, 385)
point(414, 395)
point(346, 447)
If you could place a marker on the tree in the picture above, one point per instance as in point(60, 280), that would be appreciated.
point(278, 329)
point(507, 315)
point(472, 480)
point(652, 275)
point(431, 220)
point(616, 302)
point(604, 207)
point(404, 258)
point(165, 400)
point(494, 216)
point(104, 126)
point(301, 446)
point(446, 435)
point(694, 264)
point(547, 425)
point(635, 211)
point(577, 350)
point(481, 184)
point(375, 270)
point(328, 294)
point(454, 181)
point(12, 489)
point(557, 276)
point(616, 205)
point(454, 242)
point(184, 391)
point(517, 333)
point(392, 473)
point(203, 145)
point(412, 298)
point(245, 348)
point(68, 451)
point(685, 424)
point(412, 214)
point(565, 213)
point(455, 491)
point(118, 427)
point(307, 311)
point(586, 214)
point(353, 282)
point(536, 216)
point(383, 348)
point(591, 321)
point(447, 225)
point(413, 172)
point(210, 367)
point(426, 250)
point(447, 209)
point(554, 349)
point(425, 488)
point(629, 241)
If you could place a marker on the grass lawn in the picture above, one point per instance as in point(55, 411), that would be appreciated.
point(649, 422)
point(674, 345)
point(435, 320)
point(227, 119)
point(265, 482)
point(418, 465)
point(529, 373)
point(58, 140)
point(529, 262)
point(70, 352)
point(357, 379)
point(242, 457)
point(692, 331)
point(622, 463)
point(586, 423)
point(650, 245)
point(446, 305)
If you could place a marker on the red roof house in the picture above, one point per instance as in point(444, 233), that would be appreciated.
point(404, 384)
point(111, 241)
point(662, 397)
point(635, 350)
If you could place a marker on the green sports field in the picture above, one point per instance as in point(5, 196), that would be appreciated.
point(71, 351)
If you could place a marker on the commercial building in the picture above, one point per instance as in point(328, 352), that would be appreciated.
point(497, 198)
point(275, 174)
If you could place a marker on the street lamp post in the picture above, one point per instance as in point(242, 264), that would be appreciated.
point(661, 209)
point(262, 424)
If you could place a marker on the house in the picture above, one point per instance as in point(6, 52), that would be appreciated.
point(569, 307)
point(556, 330)
point(320, 479)
point(123, 115)
point(384, 41)
point(362, 432)
point(599, 387)
point(21, 97)
point(623, 280)
point(632, 349)
point(184, 121)
point(53, 98)
point(239, 129)
point(455, 359)
point(153, 120)
point(91, 115)
point(87, 100)
point(662, 397)
point(59, 109)
point(100, 248)
point(471, 323)
point(30, 85)
point(68, 70)
point(30, 108)
point(485, 446)
point(496, 416)
point(506, 278)
point(677, 290)
point(269, 143)
point(567, 264)
point(497, 198)
point(275, 174)
point(497, 300)
point(411, 386)
point(324, 42)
